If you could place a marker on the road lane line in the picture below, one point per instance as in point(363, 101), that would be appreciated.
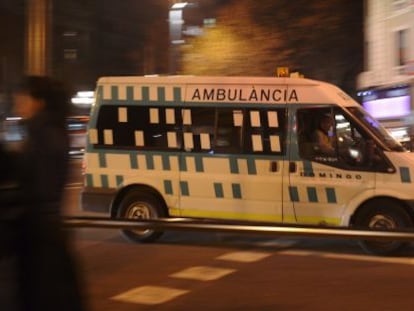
point(149, 295)
point(202, 273)
point(246, 256)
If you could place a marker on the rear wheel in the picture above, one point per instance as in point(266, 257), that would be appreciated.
point(140, 205)
point(383, 214)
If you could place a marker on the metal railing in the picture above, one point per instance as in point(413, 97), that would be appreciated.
point(186, 224)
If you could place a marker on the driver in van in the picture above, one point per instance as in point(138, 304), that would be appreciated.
point(323, 141)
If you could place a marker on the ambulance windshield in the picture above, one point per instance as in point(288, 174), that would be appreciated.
point(375, 128)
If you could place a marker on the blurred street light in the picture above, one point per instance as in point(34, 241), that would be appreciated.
point(185, 19)
point(38, 32)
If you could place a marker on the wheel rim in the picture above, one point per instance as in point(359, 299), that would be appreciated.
point(139, 211)
point(382, 222)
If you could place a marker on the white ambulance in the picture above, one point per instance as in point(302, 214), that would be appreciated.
point(276, 150)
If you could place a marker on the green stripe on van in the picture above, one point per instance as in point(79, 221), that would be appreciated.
point(119, 180)
point(236, 191)
point(312, 195)
point(183, 163)
point(177, 95)
point(294, 194)
point(199, 163)
point(168, 187)
point(166, 165)
point(104, 181)
point(234, 166)
point(405, 175)
point(89, 180)
point(218, 190)
point(145, 94)
point(149, 159)
point(184, 188)
point(251, 166)
point(161, 95)
point(331, 195)
point(102, 159)
point(133, 161)
point(114, 92)
point(130, 94)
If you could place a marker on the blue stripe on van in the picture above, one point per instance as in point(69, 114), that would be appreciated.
point(130, 94)
point(184, 188)
point(89, 180)
point(161, 95)
point(145, 94)
point(119, 180)
point(405, 175)
point(114, 92)
point(166, 165)
point(182, 162)
point(177, 95)
point(102, 159)
point(133, 160)
point(104, 181)
point(149, 159)
point(308, 168)
point(218, 190)
point(312, 195)
point(294, 194)
point(234, 166)
point(199, 163)
point(236, 191)
point(168, 187)
point(251, 166)
point(331, 195)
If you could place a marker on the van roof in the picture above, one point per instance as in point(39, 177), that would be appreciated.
point(235, 89)
point(188, 79)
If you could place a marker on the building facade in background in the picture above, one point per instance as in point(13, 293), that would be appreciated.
point(78, 41)
point(386, 87)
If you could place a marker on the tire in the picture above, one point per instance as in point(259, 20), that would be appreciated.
point(140, 205)
point(384, 214)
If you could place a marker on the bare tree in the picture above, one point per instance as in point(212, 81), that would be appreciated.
point(235, 46)
point(320, 38)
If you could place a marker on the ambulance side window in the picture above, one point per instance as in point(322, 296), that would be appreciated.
point(329, 136)
point(265, 131)
point(139, 127)
point(212, 130)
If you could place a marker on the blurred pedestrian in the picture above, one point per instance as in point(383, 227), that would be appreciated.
point(46, 274)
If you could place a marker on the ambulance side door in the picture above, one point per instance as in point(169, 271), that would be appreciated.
point(322, 183)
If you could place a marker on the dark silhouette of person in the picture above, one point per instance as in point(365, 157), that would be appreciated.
point(47, 276)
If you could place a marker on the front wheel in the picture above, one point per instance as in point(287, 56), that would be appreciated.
point(383, 214)
point(140, 205)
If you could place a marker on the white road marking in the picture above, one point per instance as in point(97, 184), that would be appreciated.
point(201, 273)
point(244, 256)
point(149, 295)
point(391, 260)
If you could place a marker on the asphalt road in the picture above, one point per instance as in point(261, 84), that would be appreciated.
point(196, 271)
point(216, 271)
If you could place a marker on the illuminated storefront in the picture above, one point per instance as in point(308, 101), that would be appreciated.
point(387, 84)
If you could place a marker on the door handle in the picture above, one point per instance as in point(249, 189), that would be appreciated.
point(273, 166)
point(292, 167)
